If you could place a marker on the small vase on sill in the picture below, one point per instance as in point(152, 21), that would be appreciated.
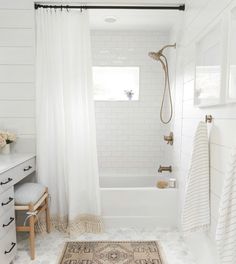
point(6, 149)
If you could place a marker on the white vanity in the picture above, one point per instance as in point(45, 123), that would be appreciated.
point(13, 168)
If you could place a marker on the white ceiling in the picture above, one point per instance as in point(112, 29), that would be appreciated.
point(134, 19)
point(161, 20)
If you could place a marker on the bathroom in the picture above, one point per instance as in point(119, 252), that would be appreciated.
point(107, 146)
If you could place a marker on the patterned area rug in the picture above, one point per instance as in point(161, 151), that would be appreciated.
point(107, 252)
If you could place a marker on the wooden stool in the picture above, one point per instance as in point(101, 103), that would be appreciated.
point(33, 208)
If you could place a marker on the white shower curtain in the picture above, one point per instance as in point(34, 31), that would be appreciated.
point(66, 140)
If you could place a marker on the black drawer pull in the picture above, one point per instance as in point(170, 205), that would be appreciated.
point(12, 246)
point(9, 200)
point(11, 220)
point(28, 168)
point(8, 180)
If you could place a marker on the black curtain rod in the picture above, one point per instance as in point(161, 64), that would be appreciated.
point(140, 7)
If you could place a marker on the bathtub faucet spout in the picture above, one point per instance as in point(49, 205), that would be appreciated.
point(165, 168)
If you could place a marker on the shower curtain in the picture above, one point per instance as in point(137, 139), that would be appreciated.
point(66, 140)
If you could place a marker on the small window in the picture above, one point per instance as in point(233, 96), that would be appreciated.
point(116, 83)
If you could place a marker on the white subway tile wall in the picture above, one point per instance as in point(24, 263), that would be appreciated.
point(17, 89)
point(129, 134)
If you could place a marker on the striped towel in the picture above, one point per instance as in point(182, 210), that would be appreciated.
point(226, 227)
point(196, 209)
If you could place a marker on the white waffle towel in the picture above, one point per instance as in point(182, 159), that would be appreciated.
point(196, 209)
point(226, 227)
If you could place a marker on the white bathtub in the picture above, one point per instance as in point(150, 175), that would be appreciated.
point(129, 201)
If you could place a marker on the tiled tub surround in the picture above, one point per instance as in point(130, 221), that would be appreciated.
point(129, 133)
point(49, 247)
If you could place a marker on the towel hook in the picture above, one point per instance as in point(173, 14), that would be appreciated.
point(208, 118)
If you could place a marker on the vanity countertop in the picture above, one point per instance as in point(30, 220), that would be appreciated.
point(10, 161)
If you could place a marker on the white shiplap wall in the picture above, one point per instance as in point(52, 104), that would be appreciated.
point(199, 15)
point(17, 90)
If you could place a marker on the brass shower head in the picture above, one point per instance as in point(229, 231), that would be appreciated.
point(157, 55)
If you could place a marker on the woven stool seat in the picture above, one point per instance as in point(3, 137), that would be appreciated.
point(27, 193)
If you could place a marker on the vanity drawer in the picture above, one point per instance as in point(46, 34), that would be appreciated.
point(14, 175)
point(7, 222)
point(8, 247)
point(7, 180)
point(25, 169)
point(6, 201)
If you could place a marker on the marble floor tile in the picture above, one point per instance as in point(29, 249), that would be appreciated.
point(49, 246)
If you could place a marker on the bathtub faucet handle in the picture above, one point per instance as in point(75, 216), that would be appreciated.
point(165, 168)
point(170, 138)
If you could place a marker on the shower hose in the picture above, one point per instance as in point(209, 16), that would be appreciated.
point(166, 89)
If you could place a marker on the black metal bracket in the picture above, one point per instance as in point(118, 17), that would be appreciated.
point(9, 200)
point(12, 246)
point(11, 220)
point(28, 168)
point(8, 180)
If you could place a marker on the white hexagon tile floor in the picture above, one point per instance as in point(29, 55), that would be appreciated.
point(49, 246)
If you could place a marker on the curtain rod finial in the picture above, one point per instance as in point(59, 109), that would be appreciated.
point(182, 7)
